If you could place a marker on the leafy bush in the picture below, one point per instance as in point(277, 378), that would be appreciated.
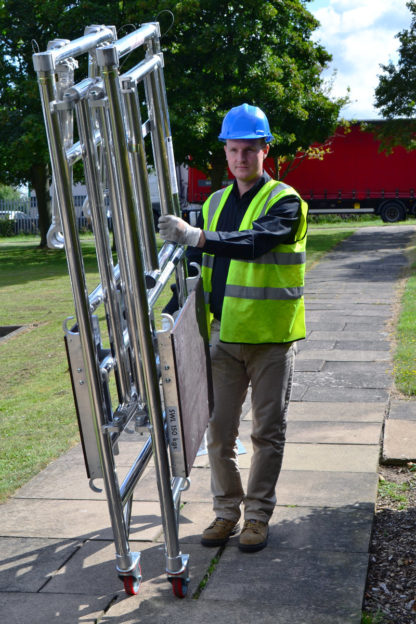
point(6, 227)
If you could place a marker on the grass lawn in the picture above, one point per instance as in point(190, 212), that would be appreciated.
point(37, 413)
point(405, 355)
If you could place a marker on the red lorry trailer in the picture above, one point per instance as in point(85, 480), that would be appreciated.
point(349, 175)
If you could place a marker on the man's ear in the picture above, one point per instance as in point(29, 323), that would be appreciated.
point(266, 149)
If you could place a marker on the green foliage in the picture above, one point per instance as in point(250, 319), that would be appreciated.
point(395, 492)
point(9, 192)
point(395, 94)
point(392, 133)
point(6, 227)
point(404, 359)
point(373, 618)
point(220, 54)
point(217, 55)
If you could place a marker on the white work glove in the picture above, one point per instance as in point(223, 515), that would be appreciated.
point(177, 230)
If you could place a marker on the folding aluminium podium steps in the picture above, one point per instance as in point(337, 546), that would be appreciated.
point(129, 368)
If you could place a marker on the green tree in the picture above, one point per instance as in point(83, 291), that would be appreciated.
point(217, 55)
point(395, 94)
point(9, 192)
point(221, 53)
point(26, 25)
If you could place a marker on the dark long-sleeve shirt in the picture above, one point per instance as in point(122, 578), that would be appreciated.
point(278, 226)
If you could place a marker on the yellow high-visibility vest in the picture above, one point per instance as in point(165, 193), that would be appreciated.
point(263, 301)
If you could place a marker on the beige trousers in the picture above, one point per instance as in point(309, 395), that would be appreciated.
point(269, 369)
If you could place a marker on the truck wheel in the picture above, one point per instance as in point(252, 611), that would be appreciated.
point(392, 212)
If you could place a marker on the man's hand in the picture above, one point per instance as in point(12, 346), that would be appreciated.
point(177, 230)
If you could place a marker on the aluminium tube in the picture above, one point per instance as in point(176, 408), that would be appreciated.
point(136, 470)
point(104, 254)
point(122, 270)
point(80, 294)
point(155, 45)
point(154, 48)
point(74, 153)
point(47, 61)
point(140, 178)
point(109, 66)
point(160, 153)
point(163, 156)
point(119, 238)
point(136, 39)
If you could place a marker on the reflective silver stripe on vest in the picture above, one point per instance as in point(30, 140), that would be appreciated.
point(208, 261)
point(207, 298)
point(275, 191)
point(277, 257)
point(255, 292)
point(214, 202)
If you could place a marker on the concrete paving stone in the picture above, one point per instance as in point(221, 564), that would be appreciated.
point(367, 325)
point(314, 303)
point(350, 292)
point(134, 610)
point(346, 375)
point(362, 368)
point(293, 579)
point(92, 569)
point(359, 395)
point(298, 392)
point(330, 457)
point(61, 478)
point(399, 441)
point(344, 355)
point(323, 325)
point(364, 336)
point(357, 320)
point(354, 297)
point(403, 409)
point(27, 563)
point(310, 488)
point(364, 346)
point(81, 519)
point(309, 364)
point(299, 528)
point(200, 490)
point(343, 280)
point(39, 608)
point(194, 518)
point(69, 481)
point(346, 528)
point(333, 433)
point(304, 345)
point(336, 412)
point(328, 316)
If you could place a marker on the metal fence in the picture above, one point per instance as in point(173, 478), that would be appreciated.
point(20, 216)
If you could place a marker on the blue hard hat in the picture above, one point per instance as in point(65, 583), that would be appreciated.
point(245, 122)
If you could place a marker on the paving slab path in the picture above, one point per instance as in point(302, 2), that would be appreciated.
point(57, 558)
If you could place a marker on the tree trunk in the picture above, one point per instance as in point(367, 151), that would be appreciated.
point(39, 177)
point(217, 173)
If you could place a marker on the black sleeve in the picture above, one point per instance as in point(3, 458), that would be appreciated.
point(279, 225)
point(194, 254)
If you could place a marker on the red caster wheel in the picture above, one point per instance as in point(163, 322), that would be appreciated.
point(180, 587)
point(131, 585)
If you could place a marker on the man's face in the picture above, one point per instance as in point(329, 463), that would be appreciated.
point(245, 158)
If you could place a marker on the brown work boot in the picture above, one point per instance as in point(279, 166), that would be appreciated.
point(219, 532)
point(253, 536)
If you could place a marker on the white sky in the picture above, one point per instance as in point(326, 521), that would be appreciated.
point(360, 35)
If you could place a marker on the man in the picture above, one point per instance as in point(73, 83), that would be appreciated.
point(252, 239)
